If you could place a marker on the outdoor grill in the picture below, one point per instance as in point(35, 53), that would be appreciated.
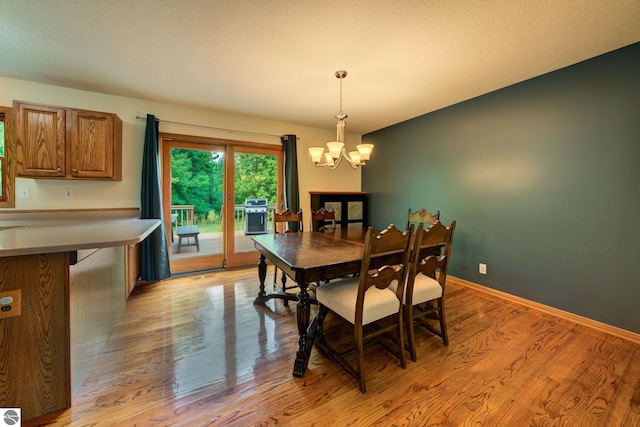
point(255, 216)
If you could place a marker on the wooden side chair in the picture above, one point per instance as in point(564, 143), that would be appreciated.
point(327, 223)
point(422, 216)
point(424, 293)
point(366, 299)
point(284, 221)
point(324, 217)
point(287, 218)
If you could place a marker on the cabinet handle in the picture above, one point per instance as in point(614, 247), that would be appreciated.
point(74, 170)
point(59, 170)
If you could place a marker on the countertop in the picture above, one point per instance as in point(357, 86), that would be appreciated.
point(39, 236)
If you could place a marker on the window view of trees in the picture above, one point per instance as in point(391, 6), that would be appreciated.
point(197, 179)
point(1, 137)
point(256, 176)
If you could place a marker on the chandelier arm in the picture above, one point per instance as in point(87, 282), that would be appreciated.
point(344, 154)
point(336, 162)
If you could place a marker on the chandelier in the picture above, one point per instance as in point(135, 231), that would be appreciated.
point(336, 149)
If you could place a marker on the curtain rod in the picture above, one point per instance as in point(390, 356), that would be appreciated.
point(215, 128)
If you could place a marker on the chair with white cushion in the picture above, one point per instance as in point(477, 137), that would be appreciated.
point(366, 299)
point(424, 293)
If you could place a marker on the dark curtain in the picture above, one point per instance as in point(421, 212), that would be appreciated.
point(291, 187)
point(154, 255)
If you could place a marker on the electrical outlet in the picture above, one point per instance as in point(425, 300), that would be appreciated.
point(10, 303)
point(482, 268)
point(68, 193)
point(24, 193)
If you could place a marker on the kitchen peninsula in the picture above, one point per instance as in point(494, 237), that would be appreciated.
point(63, 287)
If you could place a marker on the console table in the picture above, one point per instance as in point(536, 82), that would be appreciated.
point(352, 207)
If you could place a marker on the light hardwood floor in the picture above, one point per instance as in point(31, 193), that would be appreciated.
point(195, 351)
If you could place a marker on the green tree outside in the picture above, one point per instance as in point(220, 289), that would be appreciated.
point(197, 178)
point(1, 151)
point(256, 176)
point(1, 138)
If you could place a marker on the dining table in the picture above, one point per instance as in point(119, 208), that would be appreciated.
point(308, 257)
point(312, 257)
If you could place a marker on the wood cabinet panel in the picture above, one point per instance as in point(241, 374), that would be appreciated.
point(58, 142)
point(34, 347)
point(132, 267)
point(44, 128)
point(95, 145)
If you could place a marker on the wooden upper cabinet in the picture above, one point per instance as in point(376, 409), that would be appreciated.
point(40, 140)
point(59, 142)
point(94, 152)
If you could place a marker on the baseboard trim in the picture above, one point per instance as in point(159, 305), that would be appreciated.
point(609, 329)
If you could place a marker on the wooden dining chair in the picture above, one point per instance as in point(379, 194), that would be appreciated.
point(366, 299)
point(426, 280)
point(422, 216)
point(286, 221)
point(326, 219)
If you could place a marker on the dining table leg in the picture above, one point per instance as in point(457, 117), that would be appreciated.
point(307, 335)
point(262, 275)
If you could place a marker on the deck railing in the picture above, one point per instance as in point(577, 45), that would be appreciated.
point(239, 217)
point(185, 215)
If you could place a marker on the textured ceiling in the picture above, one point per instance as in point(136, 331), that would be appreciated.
point(276, 59)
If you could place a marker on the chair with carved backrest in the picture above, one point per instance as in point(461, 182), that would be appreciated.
point(366, 299)
point(422, 216)
point(325, 218)
point(323, 221)
point(286, 222)
point(426, 279)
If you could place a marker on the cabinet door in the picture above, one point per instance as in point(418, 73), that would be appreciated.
point(92, 149)
point(40, 140)
point(351, 207)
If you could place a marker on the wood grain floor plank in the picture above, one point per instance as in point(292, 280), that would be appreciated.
point(195, 351)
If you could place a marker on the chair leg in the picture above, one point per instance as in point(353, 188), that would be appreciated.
point(443, 325)
point(357, 335)
point(275, 284)
point(275, 278)
point(410, 332)
point(400, 340)
point(283, 279)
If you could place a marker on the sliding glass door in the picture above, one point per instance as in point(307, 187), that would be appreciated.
point(255, 177)
point(205, 185)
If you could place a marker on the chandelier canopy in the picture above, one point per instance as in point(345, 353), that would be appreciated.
point(336, 149)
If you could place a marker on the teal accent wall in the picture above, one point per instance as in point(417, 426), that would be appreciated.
point(543, 179)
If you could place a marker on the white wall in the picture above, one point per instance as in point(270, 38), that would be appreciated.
point(49, 194)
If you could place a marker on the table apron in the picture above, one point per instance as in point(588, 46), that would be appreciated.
point(323, 273)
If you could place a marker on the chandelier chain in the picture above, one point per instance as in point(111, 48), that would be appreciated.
point(341, 75)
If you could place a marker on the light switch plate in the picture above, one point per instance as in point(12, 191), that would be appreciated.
point(24, 193)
